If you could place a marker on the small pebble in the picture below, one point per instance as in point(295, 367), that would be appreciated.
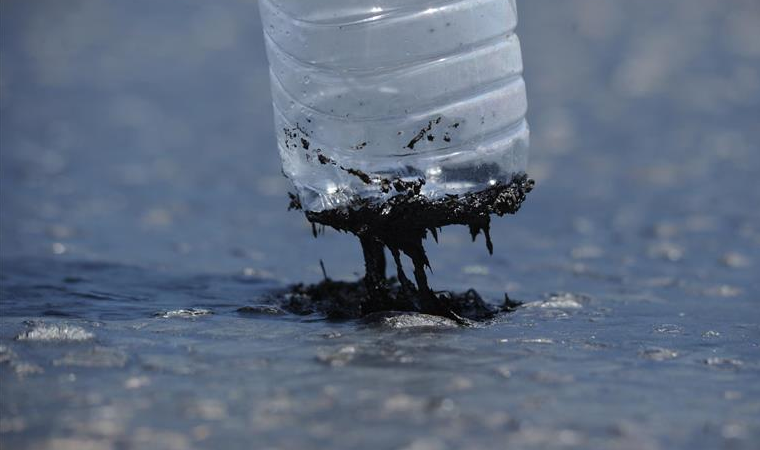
point(658, 354)
point(184, 313)
point(42, 332)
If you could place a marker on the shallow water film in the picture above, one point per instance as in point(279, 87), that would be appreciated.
point(145, 246)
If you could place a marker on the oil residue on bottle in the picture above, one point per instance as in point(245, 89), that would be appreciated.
point(396, 118)
point(400, 224)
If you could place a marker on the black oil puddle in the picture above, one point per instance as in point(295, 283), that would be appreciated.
point(342, 300)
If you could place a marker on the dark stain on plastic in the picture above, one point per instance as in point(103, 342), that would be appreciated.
point(324, 159)
point(425, 131)
point(358, 173)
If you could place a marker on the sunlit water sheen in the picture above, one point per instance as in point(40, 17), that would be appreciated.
point(142, 207)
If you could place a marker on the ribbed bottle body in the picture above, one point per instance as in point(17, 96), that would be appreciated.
point(367, 92)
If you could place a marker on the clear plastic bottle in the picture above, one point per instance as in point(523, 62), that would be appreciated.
point(367, 91)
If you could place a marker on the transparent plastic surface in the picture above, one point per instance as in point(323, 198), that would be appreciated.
point(367, 91)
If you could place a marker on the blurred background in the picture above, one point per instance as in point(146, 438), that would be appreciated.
point(139, 177)
point(141, 132)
